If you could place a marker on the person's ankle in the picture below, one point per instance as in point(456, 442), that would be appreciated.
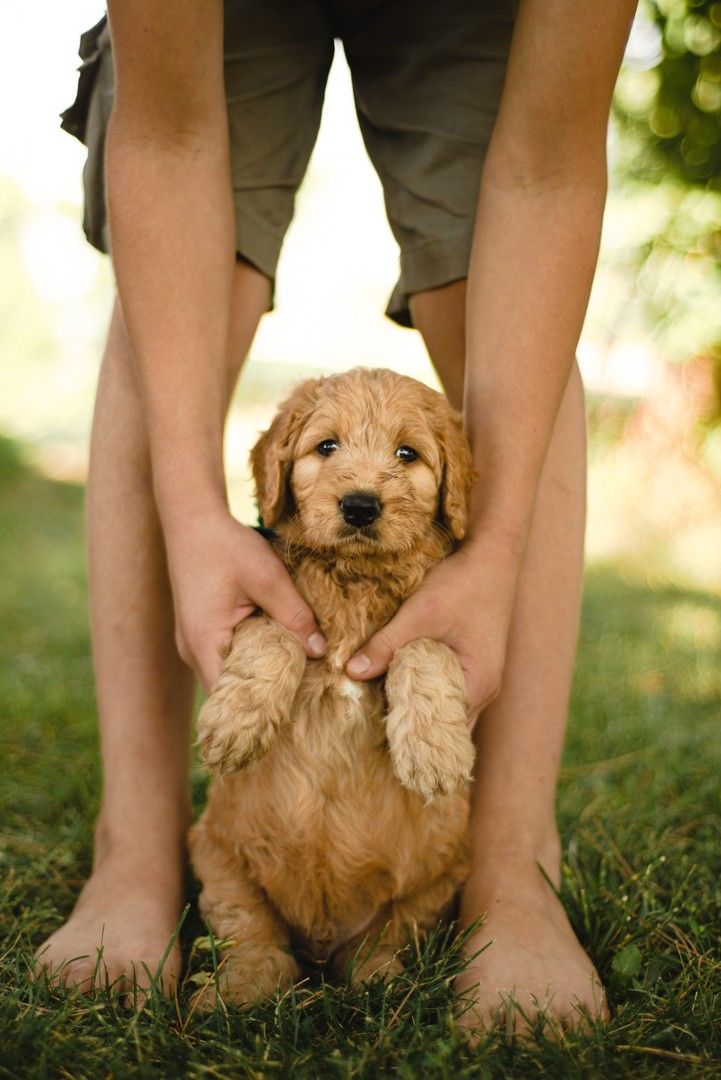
point(508, 865)
point(156, 852)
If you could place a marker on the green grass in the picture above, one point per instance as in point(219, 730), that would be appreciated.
point(639, 812)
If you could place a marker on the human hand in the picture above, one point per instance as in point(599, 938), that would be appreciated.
point(220, 572)
point(465, 602)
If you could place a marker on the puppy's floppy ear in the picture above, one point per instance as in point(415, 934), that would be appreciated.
point(271, 458)
point(458, 470)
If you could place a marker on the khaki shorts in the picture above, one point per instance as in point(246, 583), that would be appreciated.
point(427, 78)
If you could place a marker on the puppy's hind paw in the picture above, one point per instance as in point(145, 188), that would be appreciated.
point(384, 964)
point(243, 983)
point(430, 760)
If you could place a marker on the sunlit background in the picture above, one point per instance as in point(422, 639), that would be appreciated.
point(650, 347)
point(638, 800)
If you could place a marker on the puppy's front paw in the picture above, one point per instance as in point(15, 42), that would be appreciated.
point(430, 756)
point(253, 696)
point(234, 730)
point(428, 737)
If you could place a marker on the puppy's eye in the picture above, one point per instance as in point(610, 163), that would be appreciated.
point(406, 453)
point(327, 447)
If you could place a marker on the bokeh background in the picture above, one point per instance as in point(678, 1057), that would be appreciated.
point(650, 350)
point(638, 803)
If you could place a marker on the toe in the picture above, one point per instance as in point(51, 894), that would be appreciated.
point(206, 999)
point(83, 974)
point(64, 967)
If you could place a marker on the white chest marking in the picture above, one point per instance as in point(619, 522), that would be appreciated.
point(353, 694)
point(351, 689)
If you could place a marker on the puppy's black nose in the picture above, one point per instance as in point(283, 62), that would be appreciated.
point(360, 508)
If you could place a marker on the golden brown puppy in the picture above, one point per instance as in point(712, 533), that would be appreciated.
point(339, 809)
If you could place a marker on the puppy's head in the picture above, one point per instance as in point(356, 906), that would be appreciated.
point(365, 461)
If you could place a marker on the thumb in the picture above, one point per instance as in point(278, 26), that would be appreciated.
point(208, 667)
point(284, 603)
point(375, 656)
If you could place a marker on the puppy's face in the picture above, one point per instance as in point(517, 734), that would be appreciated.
point(365, 476)
point(362, 462)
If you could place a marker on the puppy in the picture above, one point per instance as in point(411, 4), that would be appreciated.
point(338, 813)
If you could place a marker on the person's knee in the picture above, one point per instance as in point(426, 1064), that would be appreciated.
point(118, 376)
point(440, 316)
point(575, 394)
point(251, 295)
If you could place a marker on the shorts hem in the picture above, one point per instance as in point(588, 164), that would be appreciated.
point(254, 241)
point(428, 266)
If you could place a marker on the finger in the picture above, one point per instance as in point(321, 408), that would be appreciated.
point(375, 656)
point(484, 677)
point(472, 717)
point(205, 657)
point(207, 665)
point(277, 596)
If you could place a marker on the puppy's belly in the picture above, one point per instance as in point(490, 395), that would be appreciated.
point(324, 826)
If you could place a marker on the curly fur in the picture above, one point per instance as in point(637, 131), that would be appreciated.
point(338, 813)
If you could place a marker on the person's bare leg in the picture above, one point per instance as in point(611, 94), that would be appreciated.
point(520, 735)
point(144, 691)
point(440, 316)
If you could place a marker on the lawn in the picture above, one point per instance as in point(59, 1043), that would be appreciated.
point(639, 812)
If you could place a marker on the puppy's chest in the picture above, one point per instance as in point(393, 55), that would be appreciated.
point(337, 722)
point(349, 611)
point(353, 699)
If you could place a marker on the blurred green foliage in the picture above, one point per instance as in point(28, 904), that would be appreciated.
point(668, 151)
point(670, 93)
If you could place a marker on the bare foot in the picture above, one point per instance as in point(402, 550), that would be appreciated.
point(129, 913)
point(531, 958)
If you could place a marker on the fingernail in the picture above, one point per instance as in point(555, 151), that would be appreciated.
point(317, 644)
point(358, 664)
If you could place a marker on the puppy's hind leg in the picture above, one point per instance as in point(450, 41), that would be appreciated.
point(253, 696)
point(374, 952)
point(427, 729)
point(378, 951)
point(259, 962)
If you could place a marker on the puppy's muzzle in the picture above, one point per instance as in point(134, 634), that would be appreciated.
point(360, 508)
